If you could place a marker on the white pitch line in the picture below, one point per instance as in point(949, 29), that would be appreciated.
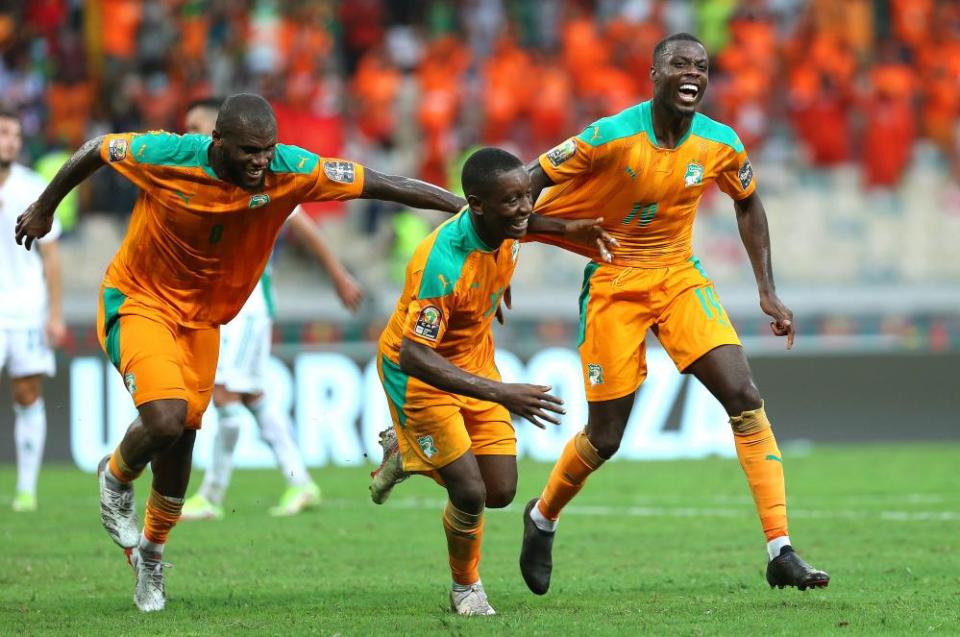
point(433, 504)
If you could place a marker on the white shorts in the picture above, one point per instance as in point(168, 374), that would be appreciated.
point(244, 353)
point(24, 352)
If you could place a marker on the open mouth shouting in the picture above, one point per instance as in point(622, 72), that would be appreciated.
point(688, 93)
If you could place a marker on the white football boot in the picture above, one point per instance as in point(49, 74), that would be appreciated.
point(390, 472)
point(471, 601)
point(117, 510)
point(150, 594)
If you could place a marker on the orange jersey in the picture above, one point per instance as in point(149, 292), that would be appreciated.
point(647, 195)
point(452, 290)
point(197, 245)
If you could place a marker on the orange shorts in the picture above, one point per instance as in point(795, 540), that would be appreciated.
point(435, 427)
point(157, 357)
point(617, 306)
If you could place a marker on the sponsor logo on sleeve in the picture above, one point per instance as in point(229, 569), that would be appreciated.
point(562, 153)
point(694, 175)
point(117, 149)
point(428, 323)
point(745, 174)
point(339, 171)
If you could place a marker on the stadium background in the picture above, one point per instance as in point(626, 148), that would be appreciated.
point(848, 109)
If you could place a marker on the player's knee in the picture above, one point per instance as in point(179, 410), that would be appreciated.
point(500, 495)
point(26, 391)
point(165, 420)
point(745, 397)
point(470, 496)
point(606, 441)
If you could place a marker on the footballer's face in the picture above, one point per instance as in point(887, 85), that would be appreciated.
point(10, 141)
point(247, 153)
point(680, 76)
point(506, 206)
point(201, 120)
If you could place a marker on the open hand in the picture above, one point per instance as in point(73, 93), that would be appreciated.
point(590, 232)
point(782, 323)
point(348, 290)
point(34, 223)
point(531, 402)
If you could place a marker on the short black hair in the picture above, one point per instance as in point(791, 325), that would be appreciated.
point(484, 164)
point(245, 110)
point(9, 111)
point(661, 47)
point(213, 103)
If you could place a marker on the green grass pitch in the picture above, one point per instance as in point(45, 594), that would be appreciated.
point(648, 548)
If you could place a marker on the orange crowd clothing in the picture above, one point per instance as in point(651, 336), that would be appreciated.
point(195, 249)
point(450, 296)
point(648, 197)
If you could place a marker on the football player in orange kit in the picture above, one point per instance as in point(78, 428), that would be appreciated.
point(201, 233)
point(645, 170)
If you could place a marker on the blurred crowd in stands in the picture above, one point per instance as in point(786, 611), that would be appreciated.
point(410, 86)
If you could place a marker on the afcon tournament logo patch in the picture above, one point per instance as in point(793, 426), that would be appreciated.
point(130, 380)
point(117, 150)
point(257, 201)
point(594, 374)
point(562, 153)
point(339, 171)
point(745, 174)
point(694, 176)
point(426, 446)
point(428, 323)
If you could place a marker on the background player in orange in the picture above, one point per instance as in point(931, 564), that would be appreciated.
point(436, 363)
point(200, 236)
point(645, 170)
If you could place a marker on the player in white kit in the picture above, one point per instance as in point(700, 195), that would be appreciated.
point(30, 320)
point(238, 393)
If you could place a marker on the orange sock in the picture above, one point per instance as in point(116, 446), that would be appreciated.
point(578, 460)
point(162, 514)
point(121, 470)
point(761, 461)
point(464, 533)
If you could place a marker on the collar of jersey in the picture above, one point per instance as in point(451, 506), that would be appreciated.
point(203, 158)
point(646, 119)
point(470, 235)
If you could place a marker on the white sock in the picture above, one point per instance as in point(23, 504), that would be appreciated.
point(462, 588)
point(543, 523)
point(777, 543)
point(149, 547)
point(217, 479)
point(277, 431)
point(30, 433)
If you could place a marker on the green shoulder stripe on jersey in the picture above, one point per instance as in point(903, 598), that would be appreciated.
point(167, 149)
point(624, 124)
point(293, 159)
point(112, 300)
point(707, 128)
point(455, 241)
point(395, 382)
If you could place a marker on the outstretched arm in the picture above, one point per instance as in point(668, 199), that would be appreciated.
point(409, 192)
point(37, 219)
point(752, 222)
point(306, 232)
point(528, 401)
